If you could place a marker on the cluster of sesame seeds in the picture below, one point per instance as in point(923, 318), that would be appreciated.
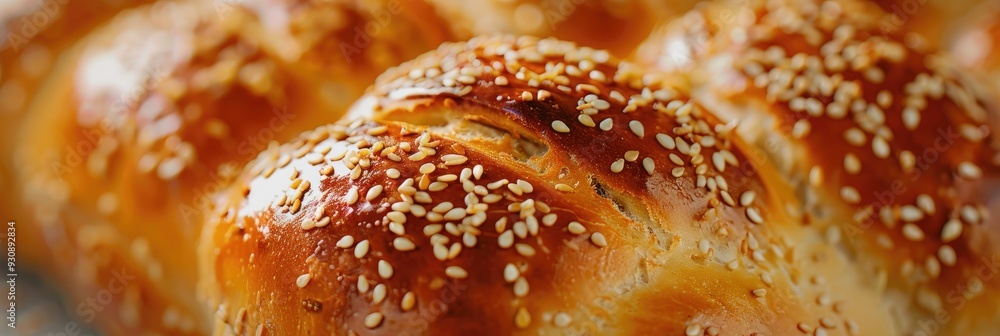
point(406, 197)
point(602, 91)
point(848, 74)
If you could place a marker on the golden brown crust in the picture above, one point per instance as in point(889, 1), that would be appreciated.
point(890, 140)
point(141, 124)
point(709, 250)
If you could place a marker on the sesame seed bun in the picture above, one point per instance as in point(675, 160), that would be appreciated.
point(888, 142)
point(150, 116)
point(466, 193)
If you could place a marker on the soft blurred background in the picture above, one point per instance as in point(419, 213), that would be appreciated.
point(228, 69)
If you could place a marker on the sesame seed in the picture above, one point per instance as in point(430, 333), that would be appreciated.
point(345, 242)
point(719, 161)
point(564, 187)
point(907, 160)
point(666, 141)
point(969, 170)
point(408, 302)
point(384, 269)
point(855, 137)
point(926, 203)
point(314, 158)
point(378, 294)
point(501, 81)
point(951, 230)
point(816, 176)
point(970, 214)
point(361, 250)
point(373, 320)
point(676, 159)
point(308, 224)
point(352, 196)
point(526, 96)
point(747, 197)
point(437, 186)
point(440, 252)
point(637, 128)
point(693, 330)
point(373, 193)
point(522, 319)
point(363, 284)
point(550, 219)
point(913, 232)
point(649, 165)
point(631, 155)
point(618, 165)
point(880, 147)
point(562, 320)
point(455, 214)
point(586, 120)
point(427, 168)
point(456, 272)
point(403, 244)
point(303, 280)
point(521, 287)
point(511, 273)
point(911, 118)
point(801, 128)
point(726, 197)
point(606, 124)
point(852, 164)
point(477, 171)
point(560, 126)
point(506, 239)
point(910, 213)
point(759, 292)
point(947, 255)
point(850, 195)
point(754, 215)
point(524, 250)
point(677, 172)
point(598, 239)
point(933, 267)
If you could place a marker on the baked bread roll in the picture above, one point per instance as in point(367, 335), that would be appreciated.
point(497, 186)
point(149, 117)
point(34, 34)
point(889, 146)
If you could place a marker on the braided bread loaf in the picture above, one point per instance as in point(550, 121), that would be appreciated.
point(889, 146)
point(515, 185)
point(497, 185)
